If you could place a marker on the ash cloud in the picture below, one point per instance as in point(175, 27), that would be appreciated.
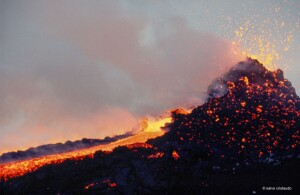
point(70, 69)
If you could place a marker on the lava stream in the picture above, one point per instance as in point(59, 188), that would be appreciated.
point(15, 169)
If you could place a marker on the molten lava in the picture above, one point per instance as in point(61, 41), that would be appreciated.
point(152, 125)
point(15, 169)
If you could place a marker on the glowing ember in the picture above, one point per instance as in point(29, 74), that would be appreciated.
point(109, 183)
point(89, 186)
point(175, 155)
point(113, 184)
point(139, 145)
point(259, 108)
point(157, 155)
point(243, 104)
point(181, 111)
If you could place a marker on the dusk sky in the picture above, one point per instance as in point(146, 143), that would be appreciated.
point(74, 69)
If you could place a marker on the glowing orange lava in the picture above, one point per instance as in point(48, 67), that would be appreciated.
point(15, 169)
point(153, 125)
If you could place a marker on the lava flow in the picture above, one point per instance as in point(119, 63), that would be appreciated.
point(151, 129)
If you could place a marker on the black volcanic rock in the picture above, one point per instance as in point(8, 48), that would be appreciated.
point(256, 74)
point(244, 137)
point(256, 118)
point(49, 149)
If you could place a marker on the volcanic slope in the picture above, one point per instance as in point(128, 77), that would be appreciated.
point(244, 137)
point(256, 118)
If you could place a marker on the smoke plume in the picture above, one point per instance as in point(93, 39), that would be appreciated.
point(70, 70)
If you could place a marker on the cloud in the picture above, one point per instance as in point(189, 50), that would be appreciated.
point(70, 70)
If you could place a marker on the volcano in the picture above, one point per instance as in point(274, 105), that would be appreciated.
point(243, 140)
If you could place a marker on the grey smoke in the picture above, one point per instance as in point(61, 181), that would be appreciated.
point(70, 70)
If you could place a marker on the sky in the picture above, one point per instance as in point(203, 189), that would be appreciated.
point(74, 69)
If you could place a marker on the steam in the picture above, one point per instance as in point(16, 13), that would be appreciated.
point(219, 86)
point(70, 70)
